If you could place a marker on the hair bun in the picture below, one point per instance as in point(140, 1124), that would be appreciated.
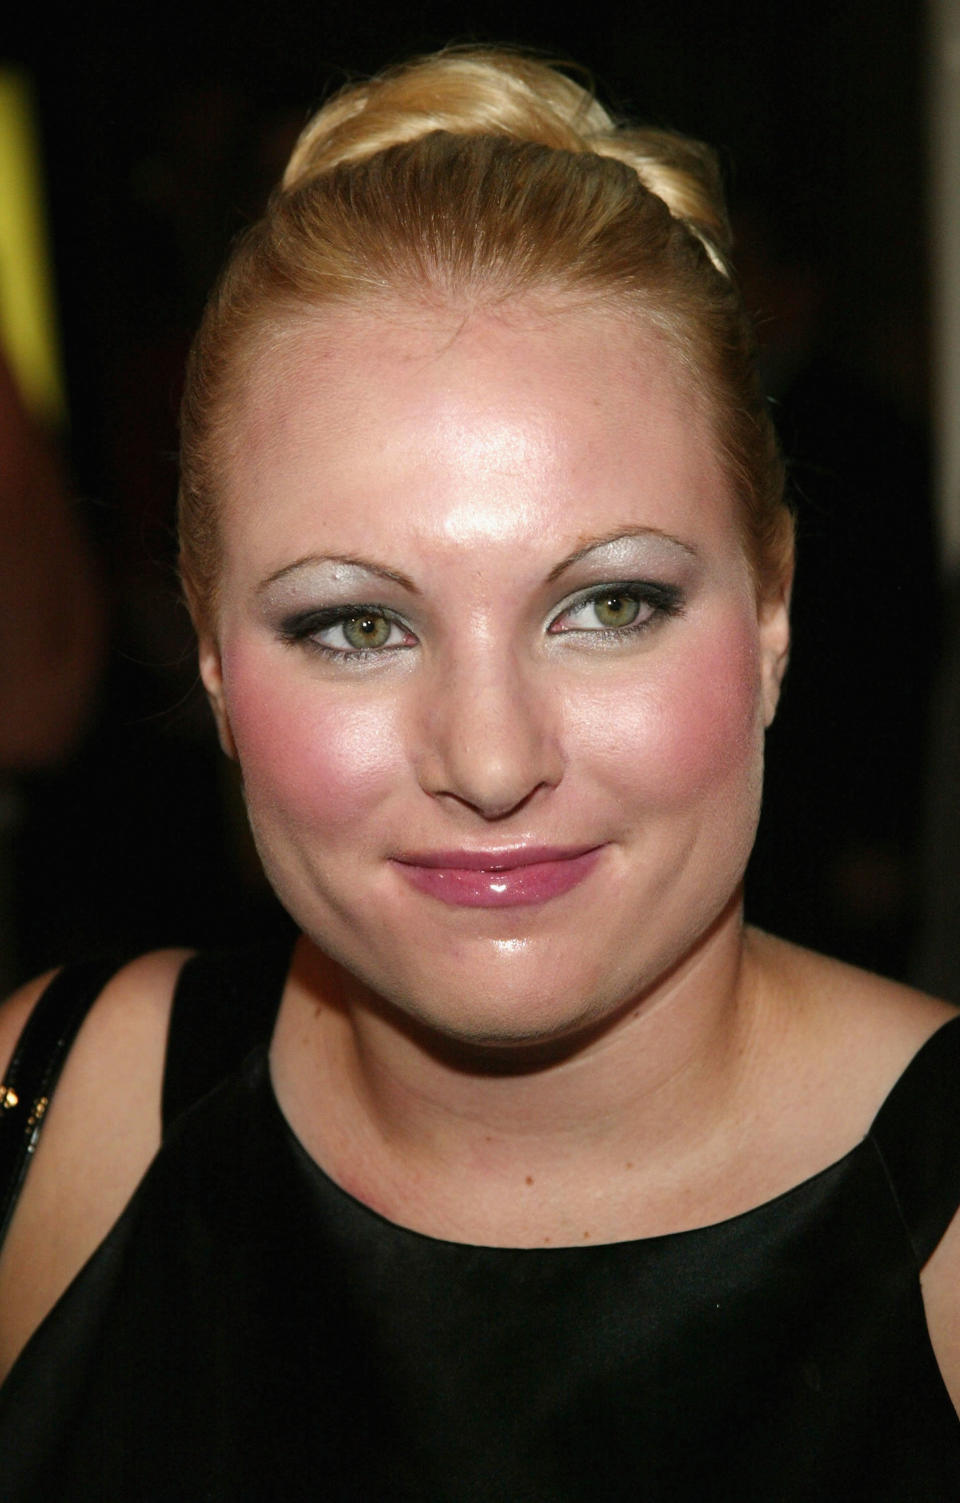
point(485, 91)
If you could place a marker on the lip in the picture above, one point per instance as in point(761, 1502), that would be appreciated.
point(498, 879)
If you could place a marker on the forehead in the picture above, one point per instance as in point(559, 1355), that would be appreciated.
point(533, 428)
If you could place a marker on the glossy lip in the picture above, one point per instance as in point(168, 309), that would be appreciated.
point(498, 879)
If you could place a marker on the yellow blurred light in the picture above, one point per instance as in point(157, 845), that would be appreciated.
point(27, 322)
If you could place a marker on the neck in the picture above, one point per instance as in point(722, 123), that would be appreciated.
point(384, 1106)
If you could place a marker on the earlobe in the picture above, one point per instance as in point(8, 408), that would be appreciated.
point(774, 648)
point(211, 672)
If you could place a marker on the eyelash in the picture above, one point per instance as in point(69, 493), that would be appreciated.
point(663, 600)
point(302, 630)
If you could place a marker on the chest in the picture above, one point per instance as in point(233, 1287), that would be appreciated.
point(249, 1328)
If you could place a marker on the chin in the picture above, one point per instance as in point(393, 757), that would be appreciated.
point(517, 1032)
point(513, 1002)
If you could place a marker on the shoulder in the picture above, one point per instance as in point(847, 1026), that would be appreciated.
point(830, 1042)
point(100, 1133)
point(848, 1025)
point(871, 1029)
point(137, 996)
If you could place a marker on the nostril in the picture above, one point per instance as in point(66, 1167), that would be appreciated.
point(491, 751)
point(491, 809)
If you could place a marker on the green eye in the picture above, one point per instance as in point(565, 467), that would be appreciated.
point(367, 630)
point(616, 609)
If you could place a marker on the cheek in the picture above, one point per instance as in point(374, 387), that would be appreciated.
point(713, 726)
point(691, 729)
point(309, 759)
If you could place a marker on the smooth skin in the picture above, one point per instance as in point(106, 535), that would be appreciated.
point(483, 588)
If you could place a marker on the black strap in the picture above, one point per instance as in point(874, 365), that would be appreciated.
point(225, 1005)
point(917, 1134)
point(35, 1068)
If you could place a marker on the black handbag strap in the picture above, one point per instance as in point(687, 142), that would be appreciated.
point(35, 1067)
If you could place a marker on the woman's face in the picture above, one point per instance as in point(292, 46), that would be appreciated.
point(489, 654)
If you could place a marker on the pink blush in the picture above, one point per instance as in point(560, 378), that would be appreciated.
point(320, 760)
point(710, 721)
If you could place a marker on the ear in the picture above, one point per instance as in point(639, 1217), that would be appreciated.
point(211, 672)
point(208, 654)
point(774, 617)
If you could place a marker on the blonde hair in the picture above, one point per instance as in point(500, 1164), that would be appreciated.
point(485, 175)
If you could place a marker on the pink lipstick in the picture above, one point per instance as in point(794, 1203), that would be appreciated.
point(498, 879)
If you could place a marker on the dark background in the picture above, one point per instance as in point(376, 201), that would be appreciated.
point(163, 125)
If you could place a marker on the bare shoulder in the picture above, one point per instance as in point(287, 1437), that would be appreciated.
point(832, 1041)
point(100, 1133)
point(862, 1028)
point(872, 1028)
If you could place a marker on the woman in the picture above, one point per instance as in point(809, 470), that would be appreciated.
point(555, 1182)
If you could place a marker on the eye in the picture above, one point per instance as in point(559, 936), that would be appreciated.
point(368, 630)
point(348, 631)
point(619, 609)
point(613, 609)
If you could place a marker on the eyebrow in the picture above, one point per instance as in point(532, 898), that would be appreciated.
point(346, 560)
point(618, 535)
point(380, 571)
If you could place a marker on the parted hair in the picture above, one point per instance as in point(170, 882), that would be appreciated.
point(472, 178)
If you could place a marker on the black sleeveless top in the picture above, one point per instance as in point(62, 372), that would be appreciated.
point(250, 1331)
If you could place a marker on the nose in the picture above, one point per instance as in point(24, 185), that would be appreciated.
point(490, 737)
